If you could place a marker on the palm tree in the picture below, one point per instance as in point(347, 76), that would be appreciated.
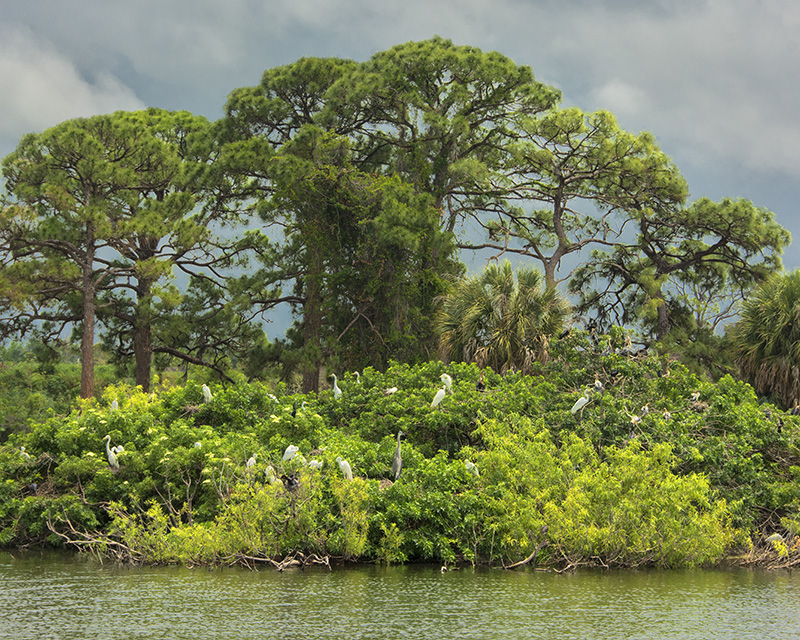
point(767, 338)
point(498, 321)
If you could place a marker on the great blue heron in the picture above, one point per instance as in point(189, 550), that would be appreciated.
point(581, 402)
point(112, 457)
point(206, 394)
point(290, 452)
point(347, 472)
point(337, 392)
point(397, 463)
point(438, 397)
point(448, 381)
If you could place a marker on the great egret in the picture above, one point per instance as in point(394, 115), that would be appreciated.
point(581, 402)
point(118, 449)
point(315, 464)
point(438, 397)
point(390, 391)
point(471, 468)
point(347, 472)
point(251, 462)
point(112, 457)
point(290, 452)
point(397, 463)
point(358, 376)
point(24, 453)
point(114, 405)
point(206, 394)
point(337, 392)
point(448, 381)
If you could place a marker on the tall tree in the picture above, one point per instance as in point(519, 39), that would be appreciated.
point(108, 210)
point(501, 321)
point(358, 247)
point(718, 249)
point(576, 179)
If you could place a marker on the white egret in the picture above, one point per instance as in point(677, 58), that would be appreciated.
point(251, 462)
point(397, 463)
point(198, 445)
point(114, 405)
point(112, 457)
point(206, 394)
point(581, 402)
point(315, 464)
point(24, 453)
point(347, 472)
point(358, 376)
point(337, 392)
point(290, 452)
point(448, 381)
point(118, 449)
point(472, 468)
point(390, 391)
point(272, 478)
point(438, 397)
point(695, 396)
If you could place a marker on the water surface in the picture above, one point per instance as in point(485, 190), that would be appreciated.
point(64, 596)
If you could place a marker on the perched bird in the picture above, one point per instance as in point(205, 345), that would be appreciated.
point(337, 392)
point(645, 410)
point(438, 397)
point(112, 457)
point(397, 462)
point(358, 376)
point(667, 415)
point(198, 445)
point(206, 394)
point(271, 477)
point(795, 410)
point(315, 464)
point(471, 468)
point(24, 453)
point(294, 409)
point(345, 468)
point(114, 405)
point(448, 381)
point(290, 452)
point(118, 449)
point(598, 386)
point(695, 396)
point(480, 385)
point(272, 397)
point(390, 391)
point(581, 402)
point(252, 461)
point(291, 482)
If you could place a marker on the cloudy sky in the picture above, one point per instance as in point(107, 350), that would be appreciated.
point(717, 81)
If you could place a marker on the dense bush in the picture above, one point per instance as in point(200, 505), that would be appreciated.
point(703, 469)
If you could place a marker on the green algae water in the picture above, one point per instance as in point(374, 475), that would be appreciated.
point(66, 597)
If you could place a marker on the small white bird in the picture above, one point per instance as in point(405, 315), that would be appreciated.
point(390, 391)
point(24, 453)
point(358, 376)
point(667, 415)
point(118, 449)
point(598, 386)
point(198, 445)
point(251, 462)
point(112, 458)
point(448, 381)
point(695, 396)
point(645, 410)
point(581, 402)
point(315, 464)
point(471, 468)
point(114, 405)
point(290, 452)
point(206, 394)
point(337, 392)
point(438, 397)
point(272, 478)
point(347, 472)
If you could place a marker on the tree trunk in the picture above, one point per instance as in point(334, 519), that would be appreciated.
point(663, 320)
point(312, 322)
point(142, 335)
point(88, 313)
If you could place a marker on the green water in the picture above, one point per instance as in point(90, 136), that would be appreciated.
point(59, 596)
